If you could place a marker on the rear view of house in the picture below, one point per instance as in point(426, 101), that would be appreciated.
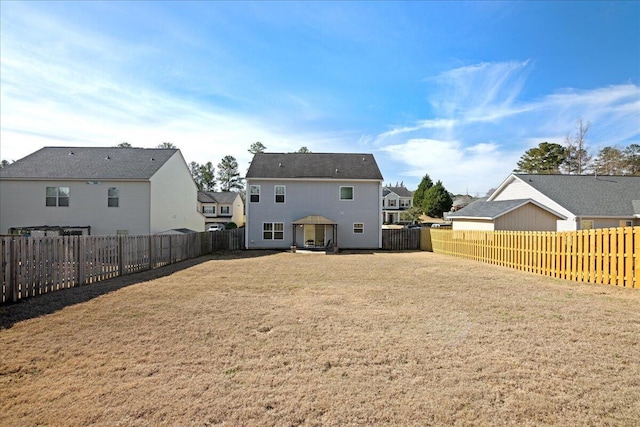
point(314, 200)
point(105, 190)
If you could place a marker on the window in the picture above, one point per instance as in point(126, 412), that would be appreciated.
point(254, 194)
point(210, 209)
point(224, 210)
point(626, 223)
point(273, 231)
point(391, 203)
point(280, 191)
point(405, 203)
point(358, 228)
point(346, 193)
point(57, 196)
point(113, 197)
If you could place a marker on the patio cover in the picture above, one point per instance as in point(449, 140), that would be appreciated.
point(314, 220)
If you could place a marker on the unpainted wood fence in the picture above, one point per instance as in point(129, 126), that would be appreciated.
point(401, 239)
point(38, 265)
point(609, 256)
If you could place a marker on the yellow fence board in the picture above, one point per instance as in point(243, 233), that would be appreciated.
point(604, 256)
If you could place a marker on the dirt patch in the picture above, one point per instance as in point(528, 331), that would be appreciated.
point(350, 339)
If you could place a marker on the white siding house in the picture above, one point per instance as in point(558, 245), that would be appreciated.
point(555, 203)
point(395, 200)
point(314, 200)
point(111, 190)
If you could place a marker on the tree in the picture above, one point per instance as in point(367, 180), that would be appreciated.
point(4, 163)
point(632, 159)
point(204, 176)
point(418, 195)
point(546, 158)
point(257, 147)
point(609, 161)
point(437, 201)
point(578, 158)
point(303, 150)
point(228, 174)
point(124, 145)
point(166, 145)
point(411, 215)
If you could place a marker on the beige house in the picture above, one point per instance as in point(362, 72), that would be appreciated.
point(555, 203)
point(221, 207)
point(101, 191)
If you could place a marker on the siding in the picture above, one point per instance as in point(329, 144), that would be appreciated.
point(316, 197)
point(473, 224)
point(517, 189)
point(527, 218)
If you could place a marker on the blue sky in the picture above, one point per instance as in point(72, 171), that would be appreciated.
point(458, 90)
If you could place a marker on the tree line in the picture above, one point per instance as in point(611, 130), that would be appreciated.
point(574, 158)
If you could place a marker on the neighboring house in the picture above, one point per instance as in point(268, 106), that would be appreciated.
point(313, 200)
point(395, 200)
point(221, 207)
point(555, 203)
point(111, 190)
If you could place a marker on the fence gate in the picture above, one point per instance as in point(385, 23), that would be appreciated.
point(401, 239)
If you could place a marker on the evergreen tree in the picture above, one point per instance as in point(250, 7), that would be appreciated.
point(303, 150)
point(609, 161)
point(546, 158)
point(632, 159)
point(257, 147)
point(228, 175)
point(166, 145)
point(204, 176)
point(418, 195)
point(437, 201)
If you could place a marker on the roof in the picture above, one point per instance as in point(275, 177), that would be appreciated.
point(589, 195)
point(400, 191)
point(314, 220)
point(89, 163)
point(483, 209)
point(222, 197)
point(314, 165)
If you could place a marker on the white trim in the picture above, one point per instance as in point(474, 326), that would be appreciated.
point(353, 193)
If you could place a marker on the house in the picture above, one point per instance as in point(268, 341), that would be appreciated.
point(221, 207)
point(313, 200)
point(395, 200)
point(555, 203)
point(111, 190)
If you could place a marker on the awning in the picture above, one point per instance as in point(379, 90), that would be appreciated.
point(314, 220)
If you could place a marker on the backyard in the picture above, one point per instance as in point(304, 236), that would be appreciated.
point(274, 338)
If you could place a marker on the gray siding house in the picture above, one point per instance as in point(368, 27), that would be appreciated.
point(111, 190)
point(313, 200)
point(555, 203)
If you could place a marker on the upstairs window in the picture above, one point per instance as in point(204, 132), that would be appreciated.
point(391, 203)
point(57, 196)
point(113, 197)
point(254, 194)
point(405, 203)
point(280, 191)
point(224, 210)
point(346, 193)
point(210, 209)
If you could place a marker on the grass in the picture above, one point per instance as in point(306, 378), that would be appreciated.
point(286, 339)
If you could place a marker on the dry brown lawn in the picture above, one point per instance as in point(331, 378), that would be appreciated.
point(283, 339)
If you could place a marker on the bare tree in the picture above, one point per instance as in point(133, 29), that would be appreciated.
point(578, 158)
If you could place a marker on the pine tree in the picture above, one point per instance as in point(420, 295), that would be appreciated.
point(418, 195)
point(546, 158)
point(228, 174)
point(437, 201)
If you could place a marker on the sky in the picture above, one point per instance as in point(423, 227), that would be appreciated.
point(456, 90)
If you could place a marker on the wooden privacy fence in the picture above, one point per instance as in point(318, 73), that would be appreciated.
point(37, 265)
point(609, 256)
point(400, 239)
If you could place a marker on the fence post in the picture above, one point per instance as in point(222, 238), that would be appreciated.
point(12, 285)
point(120, 255)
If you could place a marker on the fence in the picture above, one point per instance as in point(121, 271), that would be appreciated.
point(401, 239)
point(604, 256)
point(37, 265)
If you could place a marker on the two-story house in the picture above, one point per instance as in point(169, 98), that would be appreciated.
point(313, 200)
point(395, 200)
point(221, 207)
point(105, 190)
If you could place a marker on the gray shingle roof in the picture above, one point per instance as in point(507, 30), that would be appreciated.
point(587, 195)
point(223, 197)
point(89, 163)
point(400, 191)
point(481, 208)
point(314, 165)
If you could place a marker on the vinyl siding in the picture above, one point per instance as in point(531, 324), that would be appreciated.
point(527, 218)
